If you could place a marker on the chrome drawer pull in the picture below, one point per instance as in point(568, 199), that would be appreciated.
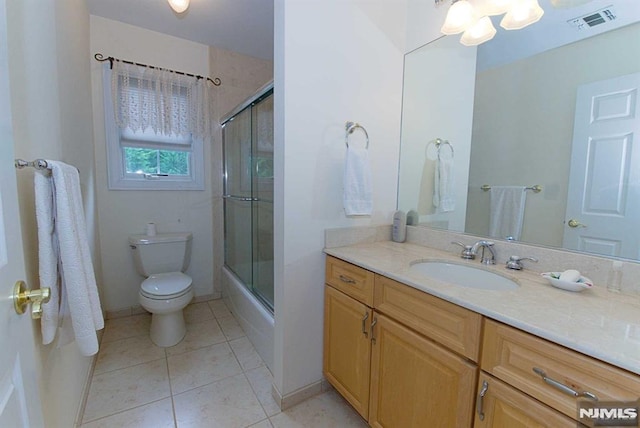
point(373, 324)
point(364, 327)
point(562, 387)
point(483, 392)
point(347, 279)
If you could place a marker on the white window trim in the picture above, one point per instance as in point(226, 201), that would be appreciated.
point(118, 179)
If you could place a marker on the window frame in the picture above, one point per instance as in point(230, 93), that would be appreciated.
point(119, 179)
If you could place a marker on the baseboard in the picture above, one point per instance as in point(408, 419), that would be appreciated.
point(298, 396)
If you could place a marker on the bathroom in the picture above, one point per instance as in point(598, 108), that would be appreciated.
point(333, 62)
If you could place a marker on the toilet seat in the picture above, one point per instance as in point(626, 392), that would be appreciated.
point(164, 286)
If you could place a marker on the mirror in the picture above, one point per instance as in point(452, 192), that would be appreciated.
point(508, 110)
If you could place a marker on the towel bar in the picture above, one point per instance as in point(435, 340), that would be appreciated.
point(352, 126)
point(536, 188)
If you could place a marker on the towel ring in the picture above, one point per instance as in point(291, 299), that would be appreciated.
point(352, 126)
point(439, 143)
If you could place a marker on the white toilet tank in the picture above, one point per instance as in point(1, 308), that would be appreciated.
point(162, 253)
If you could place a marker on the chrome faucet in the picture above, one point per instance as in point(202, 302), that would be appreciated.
point(485, 260)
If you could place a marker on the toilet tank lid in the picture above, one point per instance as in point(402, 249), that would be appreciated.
point(160, 238)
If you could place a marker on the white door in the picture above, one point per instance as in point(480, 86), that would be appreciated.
point(19, 397)
point(603, 203)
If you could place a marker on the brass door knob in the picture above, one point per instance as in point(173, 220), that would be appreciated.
point(23, 296)
point(575, 223)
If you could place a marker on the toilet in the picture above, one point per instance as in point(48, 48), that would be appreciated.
point(162, 259)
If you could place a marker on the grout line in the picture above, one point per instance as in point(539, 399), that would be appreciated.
point(173, 404)
point(126, 367)
point(122, 411)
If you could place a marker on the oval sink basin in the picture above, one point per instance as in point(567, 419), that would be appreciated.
point(463, 275)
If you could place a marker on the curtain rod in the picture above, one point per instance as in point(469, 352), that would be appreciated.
point(101, 58)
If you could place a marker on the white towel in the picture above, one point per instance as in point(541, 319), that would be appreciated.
point(79, 291)
point(444, 198)
point(357, 196)
point(507, 211)
point(47, 254)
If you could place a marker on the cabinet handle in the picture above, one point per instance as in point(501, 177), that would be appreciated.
point(562, 387)
point(373, 324)
point(364, 327)
point(346, 279)
point(483, 392)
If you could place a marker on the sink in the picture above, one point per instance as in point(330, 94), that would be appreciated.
point(463, 275)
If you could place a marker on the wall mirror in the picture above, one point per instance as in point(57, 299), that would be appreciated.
point(556, 106)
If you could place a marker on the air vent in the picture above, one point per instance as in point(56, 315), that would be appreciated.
point(593, 19)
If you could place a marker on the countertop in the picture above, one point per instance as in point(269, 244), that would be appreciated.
point(595, 322)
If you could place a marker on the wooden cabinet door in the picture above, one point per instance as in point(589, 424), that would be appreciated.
point(502, 406)
point(417, 383)
point(347, 348)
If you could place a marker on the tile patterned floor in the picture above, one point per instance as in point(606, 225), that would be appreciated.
point(213, 378)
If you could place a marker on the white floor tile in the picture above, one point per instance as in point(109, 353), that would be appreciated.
point(155, 415)
point(245, 353)
point(127, 352)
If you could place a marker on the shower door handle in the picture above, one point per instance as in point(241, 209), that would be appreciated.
point(240, 198)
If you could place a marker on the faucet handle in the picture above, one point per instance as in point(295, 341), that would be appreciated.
point(515, 262)
point(467, 252)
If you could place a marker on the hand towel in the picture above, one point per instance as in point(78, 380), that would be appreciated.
point(507, 211)
point(77, 276)
point(47, 254)
point(444, 198)
point(357, 196)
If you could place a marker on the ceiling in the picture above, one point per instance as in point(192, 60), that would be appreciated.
point(553, 30)
point(244, 26)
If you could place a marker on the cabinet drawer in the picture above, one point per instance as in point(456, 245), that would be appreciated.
point(350, 279)
point(512, 355)
point(450, 325)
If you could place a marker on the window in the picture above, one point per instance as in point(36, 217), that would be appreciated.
point(150, 145)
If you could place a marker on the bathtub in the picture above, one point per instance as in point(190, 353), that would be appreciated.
point(256, 321)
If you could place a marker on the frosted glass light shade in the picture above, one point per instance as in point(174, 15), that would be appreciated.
point(460, 16)
point(521, 14)
point(482, 31)
point(566, 4)
point(492, 7)
point(179, 5)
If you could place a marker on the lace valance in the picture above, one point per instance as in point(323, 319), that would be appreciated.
point(161, 100)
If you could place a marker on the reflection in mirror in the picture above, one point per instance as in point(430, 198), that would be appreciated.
point(564, 119)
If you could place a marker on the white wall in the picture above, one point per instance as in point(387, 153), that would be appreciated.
point(335, 61)
point(51, 106)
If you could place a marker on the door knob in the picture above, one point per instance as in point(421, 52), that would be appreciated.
point(22, 297)
point(575, 223)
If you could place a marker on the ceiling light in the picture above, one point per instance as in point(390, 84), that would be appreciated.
point(460, 16)
point(521, 14)
point(481, 31)
point(566, 4)
point(492, 7)
point(179, 6)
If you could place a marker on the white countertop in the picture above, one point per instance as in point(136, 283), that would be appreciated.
point(595, 322)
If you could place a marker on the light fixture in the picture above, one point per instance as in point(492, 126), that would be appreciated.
point(179, 6)
point(566, 4)
point(473, 17)
point(481, 31)
point(521, 14)
point(461, 15)
point(492, 7)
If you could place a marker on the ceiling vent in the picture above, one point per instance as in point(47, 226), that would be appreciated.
point(593, 19)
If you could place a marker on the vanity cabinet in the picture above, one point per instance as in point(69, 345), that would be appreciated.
point(348, 299)
point(392, 362)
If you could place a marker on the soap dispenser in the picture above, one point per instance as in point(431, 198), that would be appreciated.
point(399, 232)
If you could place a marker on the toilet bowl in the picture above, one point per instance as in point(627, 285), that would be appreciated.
point(165, 295)
point(167, 290)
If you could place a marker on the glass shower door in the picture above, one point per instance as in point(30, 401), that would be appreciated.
point(238, 196)
point(248, 197)
point(262, 124)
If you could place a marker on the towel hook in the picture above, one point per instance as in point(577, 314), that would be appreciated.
point(439, 142)
point(352, 126)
